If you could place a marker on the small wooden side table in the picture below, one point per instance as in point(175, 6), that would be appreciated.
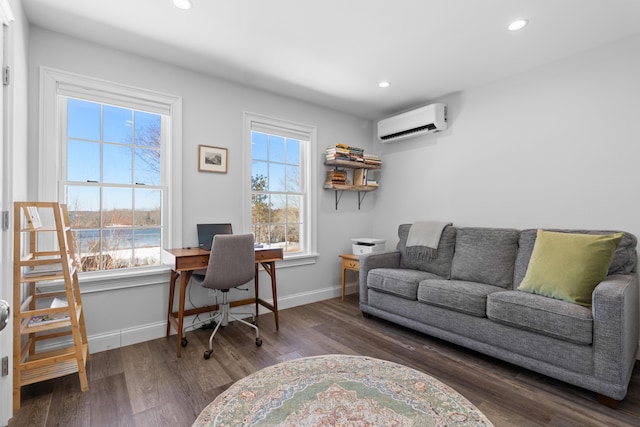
point(349, 262)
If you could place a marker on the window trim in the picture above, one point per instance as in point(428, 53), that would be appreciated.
point(309, 177)
point(50, 147)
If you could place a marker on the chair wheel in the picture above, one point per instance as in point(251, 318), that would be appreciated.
point(207, 354)
point(184, 342)
point(258, 342)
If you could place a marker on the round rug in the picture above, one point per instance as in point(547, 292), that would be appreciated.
point(340, 390)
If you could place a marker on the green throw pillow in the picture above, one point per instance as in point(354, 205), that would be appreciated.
point(569, 266)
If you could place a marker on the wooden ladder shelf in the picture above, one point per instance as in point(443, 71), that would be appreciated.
point(49, 334)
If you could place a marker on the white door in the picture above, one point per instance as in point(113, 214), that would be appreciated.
point(5, 294)
point(6, 270)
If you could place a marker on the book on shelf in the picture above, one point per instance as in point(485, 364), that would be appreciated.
point(344, 152)
point(360, 177)
point(44, 319)
point(373, 160)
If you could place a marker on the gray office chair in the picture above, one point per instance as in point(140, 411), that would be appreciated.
point(231, 264)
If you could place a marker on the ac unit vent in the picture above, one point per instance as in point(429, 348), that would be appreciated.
point(408, 132)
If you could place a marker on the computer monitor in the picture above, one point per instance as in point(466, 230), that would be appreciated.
point(207, 231)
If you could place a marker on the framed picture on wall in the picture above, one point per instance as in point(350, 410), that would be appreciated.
point(212, 159)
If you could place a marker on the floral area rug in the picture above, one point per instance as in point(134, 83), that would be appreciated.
point(340, 390)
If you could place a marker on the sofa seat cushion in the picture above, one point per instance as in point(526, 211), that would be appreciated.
point(459, 295)
point(485, 255)
point(537, 313)
point(397, 281)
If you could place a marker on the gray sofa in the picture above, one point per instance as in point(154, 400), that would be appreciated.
point(467, 294)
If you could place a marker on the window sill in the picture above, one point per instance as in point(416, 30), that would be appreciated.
point(117, 279)
point(92, 282)
point(297, 260)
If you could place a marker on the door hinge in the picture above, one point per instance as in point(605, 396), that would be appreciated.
point(6, 75)
point(5, 220)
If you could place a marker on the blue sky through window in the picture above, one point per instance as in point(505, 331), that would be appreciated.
point(128, 140)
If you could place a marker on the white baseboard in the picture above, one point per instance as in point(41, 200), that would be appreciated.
point(152, 331)
point(124, 337)
point(148, 332)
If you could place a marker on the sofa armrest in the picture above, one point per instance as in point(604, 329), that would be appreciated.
point(615, 327)
point(390, 259)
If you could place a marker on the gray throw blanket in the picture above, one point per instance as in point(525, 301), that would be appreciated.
point(423, 239)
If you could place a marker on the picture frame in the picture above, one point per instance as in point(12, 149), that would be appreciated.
point(212, 159)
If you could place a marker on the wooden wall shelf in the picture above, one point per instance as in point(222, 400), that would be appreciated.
point(362, 190)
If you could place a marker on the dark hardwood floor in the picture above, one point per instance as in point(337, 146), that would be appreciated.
point(147, 385)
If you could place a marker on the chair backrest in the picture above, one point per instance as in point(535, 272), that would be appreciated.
point(231, 263)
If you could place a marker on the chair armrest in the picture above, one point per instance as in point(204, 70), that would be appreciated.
point(615, 327)
point(390, 259)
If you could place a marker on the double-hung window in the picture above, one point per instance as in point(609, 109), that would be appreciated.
point(282, 194)
point(116, 158)
point(113, 187)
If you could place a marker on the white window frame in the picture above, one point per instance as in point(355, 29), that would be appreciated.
point(54, 83)
point(251, 121)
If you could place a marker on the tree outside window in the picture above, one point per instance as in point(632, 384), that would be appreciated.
point(276, 191)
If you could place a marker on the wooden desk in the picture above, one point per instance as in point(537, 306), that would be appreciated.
point(349, 262)
point(184, 262)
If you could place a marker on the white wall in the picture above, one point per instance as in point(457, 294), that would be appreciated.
point(213, 112)
point(558, 146)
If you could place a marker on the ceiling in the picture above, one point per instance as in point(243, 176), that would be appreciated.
point(335, 52)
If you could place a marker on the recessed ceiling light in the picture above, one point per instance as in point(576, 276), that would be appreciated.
point(384, 84)
point(182, 4)
point(518, 25)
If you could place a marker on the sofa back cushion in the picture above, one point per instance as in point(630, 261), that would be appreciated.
point(485, 255)
point(624, 261)
point(440, 264)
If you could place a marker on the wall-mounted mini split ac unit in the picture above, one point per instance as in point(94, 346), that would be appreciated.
point(423, 120)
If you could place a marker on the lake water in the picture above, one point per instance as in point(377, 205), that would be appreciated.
point(117, 238)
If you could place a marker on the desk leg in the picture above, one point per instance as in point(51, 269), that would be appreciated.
point(344, 273)
point(172, 290)
point(184, 281)
point(274, 291)
point(270, 268)
point(256, 285)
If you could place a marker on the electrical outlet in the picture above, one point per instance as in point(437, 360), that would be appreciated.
point(5, 366)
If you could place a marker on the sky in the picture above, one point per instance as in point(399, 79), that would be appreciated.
point(127, 142)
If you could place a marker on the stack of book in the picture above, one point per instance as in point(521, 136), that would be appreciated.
point(336, 176)
point(345, 152)
point(372, 159)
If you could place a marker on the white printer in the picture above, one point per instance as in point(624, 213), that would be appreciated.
point(365, 245)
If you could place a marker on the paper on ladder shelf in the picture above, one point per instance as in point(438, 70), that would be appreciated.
point(44, 319)
point(50, 318)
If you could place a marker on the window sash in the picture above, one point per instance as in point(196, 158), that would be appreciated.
point(306, 135)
